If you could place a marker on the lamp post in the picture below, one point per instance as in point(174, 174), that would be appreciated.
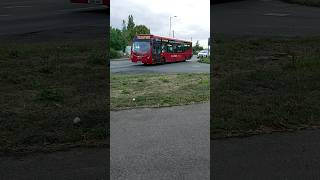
point(170, 24)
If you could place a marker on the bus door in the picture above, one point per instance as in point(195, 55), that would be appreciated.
point(156, 51)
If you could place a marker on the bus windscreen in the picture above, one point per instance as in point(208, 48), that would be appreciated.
point(141, 46)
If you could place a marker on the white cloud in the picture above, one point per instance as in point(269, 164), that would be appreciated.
point(193, 17)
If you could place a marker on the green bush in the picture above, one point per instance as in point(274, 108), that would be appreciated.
point(114, 54)
point(205, 60)
point(117, 39)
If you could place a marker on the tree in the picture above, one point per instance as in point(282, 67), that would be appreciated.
point(141, 29)
point(117, 40)
point(130, 23)
point(125, 31)
point(129, 30)
point(197, 47)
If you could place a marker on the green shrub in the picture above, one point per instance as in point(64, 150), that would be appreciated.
point(114, 54)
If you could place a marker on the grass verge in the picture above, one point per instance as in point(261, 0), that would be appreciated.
point(158, 90)
point(44, 87)
point(265, 85)
point(305, 2)
point(205, 60)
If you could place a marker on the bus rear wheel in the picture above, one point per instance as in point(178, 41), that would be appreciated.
point(185, 58)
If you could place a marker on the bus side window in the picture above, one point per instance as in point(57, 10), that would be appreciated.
point(174, 46)
point(170, 49)
point(181, 48)
point(163, 48)
point(185, 47)
point(178, 48)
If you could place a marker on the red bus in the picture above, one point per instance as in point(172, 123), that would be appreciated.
point(151, 49)
point(101, 2)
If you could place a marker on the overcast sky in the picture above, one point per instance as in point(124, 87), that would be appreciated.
point(193, 17)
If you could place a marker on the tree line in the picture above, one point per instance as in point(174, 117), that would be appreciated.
point(120, 38)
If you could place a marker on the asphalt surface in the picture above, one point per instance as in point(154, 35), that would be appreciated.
point(275, 156)
point(190, 66)
point(264, 18)
point(42, 20)
point(162, 143)
point(80, 164)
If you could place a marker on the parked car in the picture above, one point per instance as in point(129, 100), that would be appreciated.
point(203, 53)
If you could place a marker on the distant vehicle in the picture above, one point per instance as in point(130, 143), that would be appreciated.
point(203, 53)
point(127, 51)
point(151, 49)
point(100, 2)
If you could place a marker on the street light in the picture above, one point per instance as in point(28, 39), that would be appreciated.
point(170, 24)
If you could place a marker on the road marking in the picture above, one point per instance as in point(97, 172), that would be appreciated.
point(277, 14)
point(4, 15)
point(12, 7)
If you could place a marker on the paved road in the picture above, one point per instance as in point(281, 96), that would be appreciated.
point(275, 156)
point(80, 164)
point(190, 66)
point(264, 17)
point(165, 143)
point(51, 19)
